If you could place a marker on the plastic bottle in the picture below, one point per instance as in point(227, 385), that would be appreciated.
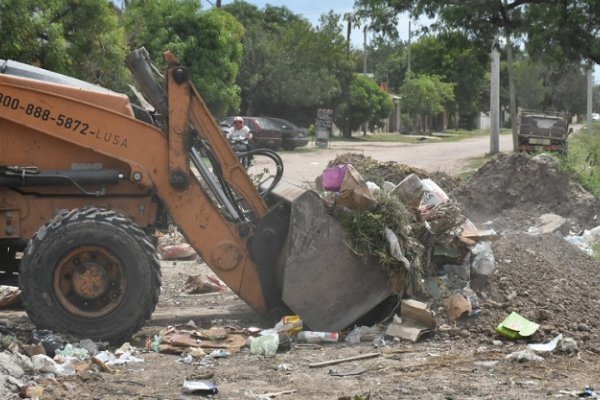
point(317, 337)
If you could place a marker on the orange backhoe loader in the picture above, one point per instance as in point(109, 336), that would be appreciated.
point(85, 174)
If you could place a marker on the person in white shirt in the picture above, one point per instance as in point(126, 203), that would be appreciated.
point(239, 130)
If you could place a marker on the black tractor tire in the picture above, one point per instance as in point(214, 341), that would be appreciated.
point(92, 273)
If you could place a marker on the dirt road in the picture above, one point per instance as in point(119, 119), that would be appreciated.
point(448, 157)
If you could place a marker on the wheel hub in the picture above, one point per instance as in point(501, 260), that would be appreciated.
point(90, 281)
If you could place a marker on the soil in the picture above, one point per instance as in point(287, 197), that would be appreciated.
point(543, 277)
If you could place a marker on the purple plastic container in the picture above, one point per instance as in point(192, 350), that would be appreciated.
point(332, 177)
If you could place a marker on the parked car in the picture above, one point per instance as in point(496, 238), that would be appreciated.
point(265, 133)
point(291, 135)
point(595, 117)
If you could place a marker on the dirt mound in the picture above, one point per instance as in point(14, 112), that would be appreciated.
point(510, 185)
point(545, 279)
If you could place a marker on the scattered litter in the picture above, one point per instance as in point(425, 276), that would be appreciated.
point(270, 395)
point(433, 195)
point(354, 192)
point(89, 345)
point(284, 367)
point(332, 177)
point(486, 364)
point(483, 263)
point(589, 392)
point(197, 284)
point(317, 337)
point(409, 190)
point(45, 364)
point(175, 340)
point(516, 326)
point(9, 295)
point(31, 392)
point(109, 359)
point(395, 249)
point(49, 340)
point(71, 351)
point(199, 387)
point(173, 246)
point(416, 320)
point(220, 353)
point(351, 372)
point(343, 360)
point(546, 347)
point(291, 324)
point(186, 359)
point(524, 355)
point(568, 345)
point(264, 345)
point(364, 334)
point(457, 305)
point(585, 240)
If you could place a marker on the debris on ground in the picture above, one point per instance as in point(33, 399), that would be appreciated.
point(196, 284)
point(172, 246)
point(9, 296)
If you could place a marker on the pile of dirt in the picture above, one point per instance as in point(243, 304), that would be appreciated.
point(512, 190)
point(545, 278)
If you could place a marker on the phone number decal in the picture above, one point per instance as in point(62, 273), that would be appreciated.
point(61, 120)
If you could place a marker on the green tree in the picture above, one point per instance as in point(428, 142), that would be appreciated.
point(454, 58)
point(424, 96)
point(80, 38)
point(290, 68)
point(387, 61)
point(208, 42)
point(366, 103)
point(561, 29)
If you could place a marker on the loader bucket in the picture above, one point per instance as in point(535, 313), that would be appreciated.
point(320, 277)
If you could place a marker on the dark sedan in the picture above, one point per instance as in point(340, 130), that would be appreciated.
point(291, 135)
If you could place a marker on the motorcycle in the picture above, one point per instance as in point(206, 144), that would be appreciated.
point(241, 148)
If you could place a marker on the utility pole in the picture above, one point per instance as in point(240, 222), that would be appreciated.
point(588, 116)
point(408, 66)
point(348, 32)
point(511, 85)
point(366, 125)
point(495, 99)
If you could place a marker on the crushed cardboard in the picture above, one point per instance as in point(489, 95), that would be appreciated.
point(416, 320)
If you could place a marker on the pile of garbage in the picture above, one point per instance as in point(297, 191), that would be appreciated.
point(408, 225)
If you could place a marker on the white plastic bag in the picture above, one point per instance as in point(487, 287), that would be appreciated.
point(484, 262)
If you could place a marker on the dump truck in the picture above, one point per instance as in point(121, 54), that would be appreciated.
point(543, 130)
point(86, 174)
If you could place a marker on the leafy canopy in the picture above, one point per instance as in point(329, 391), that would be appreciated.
point(366, 103)
point(208, 42)
point(80, 38)
point(557, 29)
